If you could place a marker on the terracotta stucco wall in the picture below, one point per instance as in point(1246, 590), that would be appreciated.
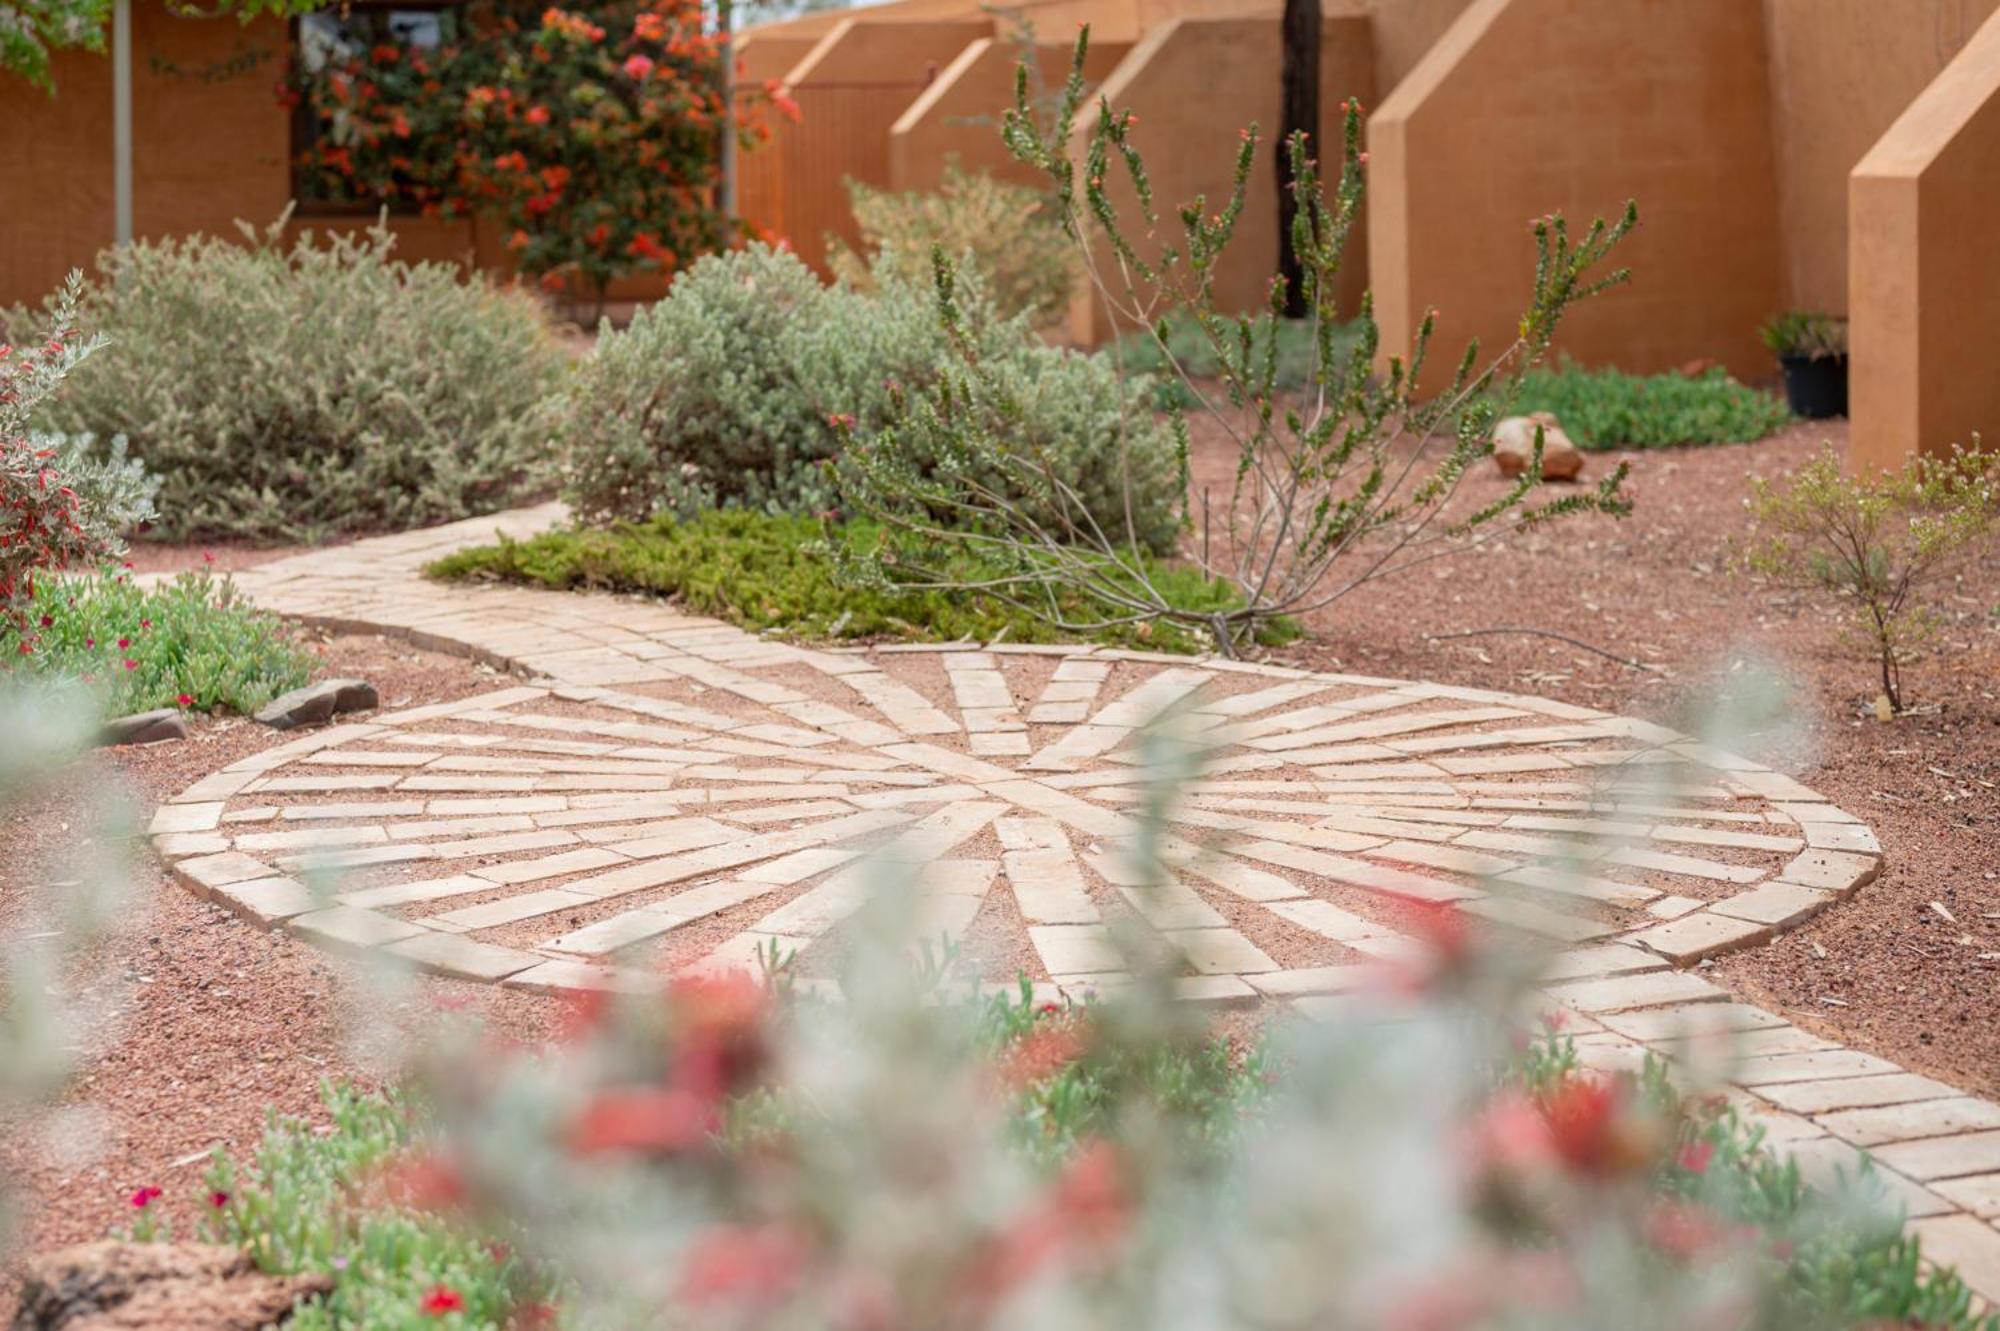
point(1925, 268)
point(959, 114)
point(210, 145)
point(1191, 143)
point(190, 78)
point(1841, 72)
point(1526, 107)
point(1403, 31)
point(850, 89)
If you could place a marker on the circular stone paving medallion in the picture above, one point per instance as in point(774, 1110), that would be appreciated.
point(575, 836)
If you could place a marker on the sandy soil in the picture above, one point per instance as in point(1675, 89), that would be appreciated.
point(1886, 971)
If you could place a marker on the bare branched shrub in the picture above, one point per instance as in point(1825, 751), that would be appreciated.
point(1879, 544)
point(1349, 479)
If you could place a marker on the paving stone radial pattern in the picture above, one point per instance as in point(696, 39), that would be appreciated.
point(749, 795)
point(663, 792)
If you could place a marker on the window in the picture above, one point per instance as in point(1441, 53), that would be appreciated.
point(337, 37)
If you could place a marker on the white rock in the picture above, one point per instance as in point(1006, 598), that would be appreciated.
point(1514, 447)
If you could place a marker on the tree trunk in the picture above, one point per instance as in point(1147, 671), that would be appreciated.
point(1298, 77)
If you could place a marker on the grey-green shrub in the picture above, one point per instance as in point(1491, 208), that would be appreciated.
point(736, 389)
point(1007, 234)
point(292, 393)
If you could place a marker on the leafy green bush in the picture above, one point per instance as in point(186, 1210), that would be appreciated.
point(1179, 350)
point(1604, 409)
point(191, 642)
point(738, 387)
point(770, 572)
point(328, 1202)
point(1805, 333)
point(292, 393)
point(1006, 234)
point(61, 504)
point(1118, 1136)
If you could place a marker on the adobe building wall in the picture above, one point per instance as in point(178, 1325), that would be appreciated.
point(1842, 71)
point(958, 116)
point(1191, 144)
point(210, 145)
point(850, 88)
point(1526, 107)
point(1924, 280)
point(190, 78)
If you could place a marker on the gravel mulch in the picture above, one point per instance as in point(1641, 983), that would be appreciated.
point(211, 1021)
point(1886, 971)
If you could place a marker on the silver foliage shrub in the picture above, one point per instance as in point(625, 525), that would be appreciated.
point(294, 392)
point(739, 387)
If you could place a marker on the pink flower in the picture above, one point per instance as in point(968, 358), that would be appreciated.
point(638, 67)
point(123, 643)
point(145, 1197)
point(130, 664)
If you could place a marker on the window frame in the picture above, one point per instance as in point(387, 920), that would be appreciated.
point(304, 126)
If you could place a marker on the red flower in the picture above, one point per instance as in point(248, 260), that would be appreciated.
point(733, 1261)
point(1041, 1054)
point(130, 664)
point(651, 1119)
point(27, 650)
point(1597, 1127)
point(218, 1199)
point(1681, 1229)
point(48, 621)
point(145, 623)
point(537, 115)
point(1082, 1216)
point(185, 700)
point(441, 1300)
point(638, 67)
point(1511, 1134)
point(123, 643)
point(145, 1197)
point(425, 1182)
point(1695, 1156)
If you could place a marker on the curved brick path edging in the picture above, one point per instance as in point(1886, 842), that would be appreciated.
point(1431, 766)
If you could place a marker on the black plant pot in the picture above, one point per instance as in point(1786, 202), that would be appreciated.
point(1815, 386)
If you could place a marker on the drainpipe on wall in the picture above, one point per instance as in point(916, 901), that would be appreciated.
point(121, 120)
point(725, 22)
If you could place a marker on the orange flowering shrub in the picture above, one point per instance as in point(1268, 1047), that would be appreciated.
point(589, 135)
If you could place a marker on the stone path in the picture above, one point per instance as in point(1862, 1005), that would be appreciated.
point(670, 792)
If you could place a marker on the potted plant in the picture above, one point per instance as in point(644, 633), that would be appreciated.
point(1812, 351)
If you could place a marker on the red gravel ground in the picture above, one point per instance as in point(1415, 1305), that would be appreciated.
point(215, 1020)
point(221, 556)
point(1885, 971)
